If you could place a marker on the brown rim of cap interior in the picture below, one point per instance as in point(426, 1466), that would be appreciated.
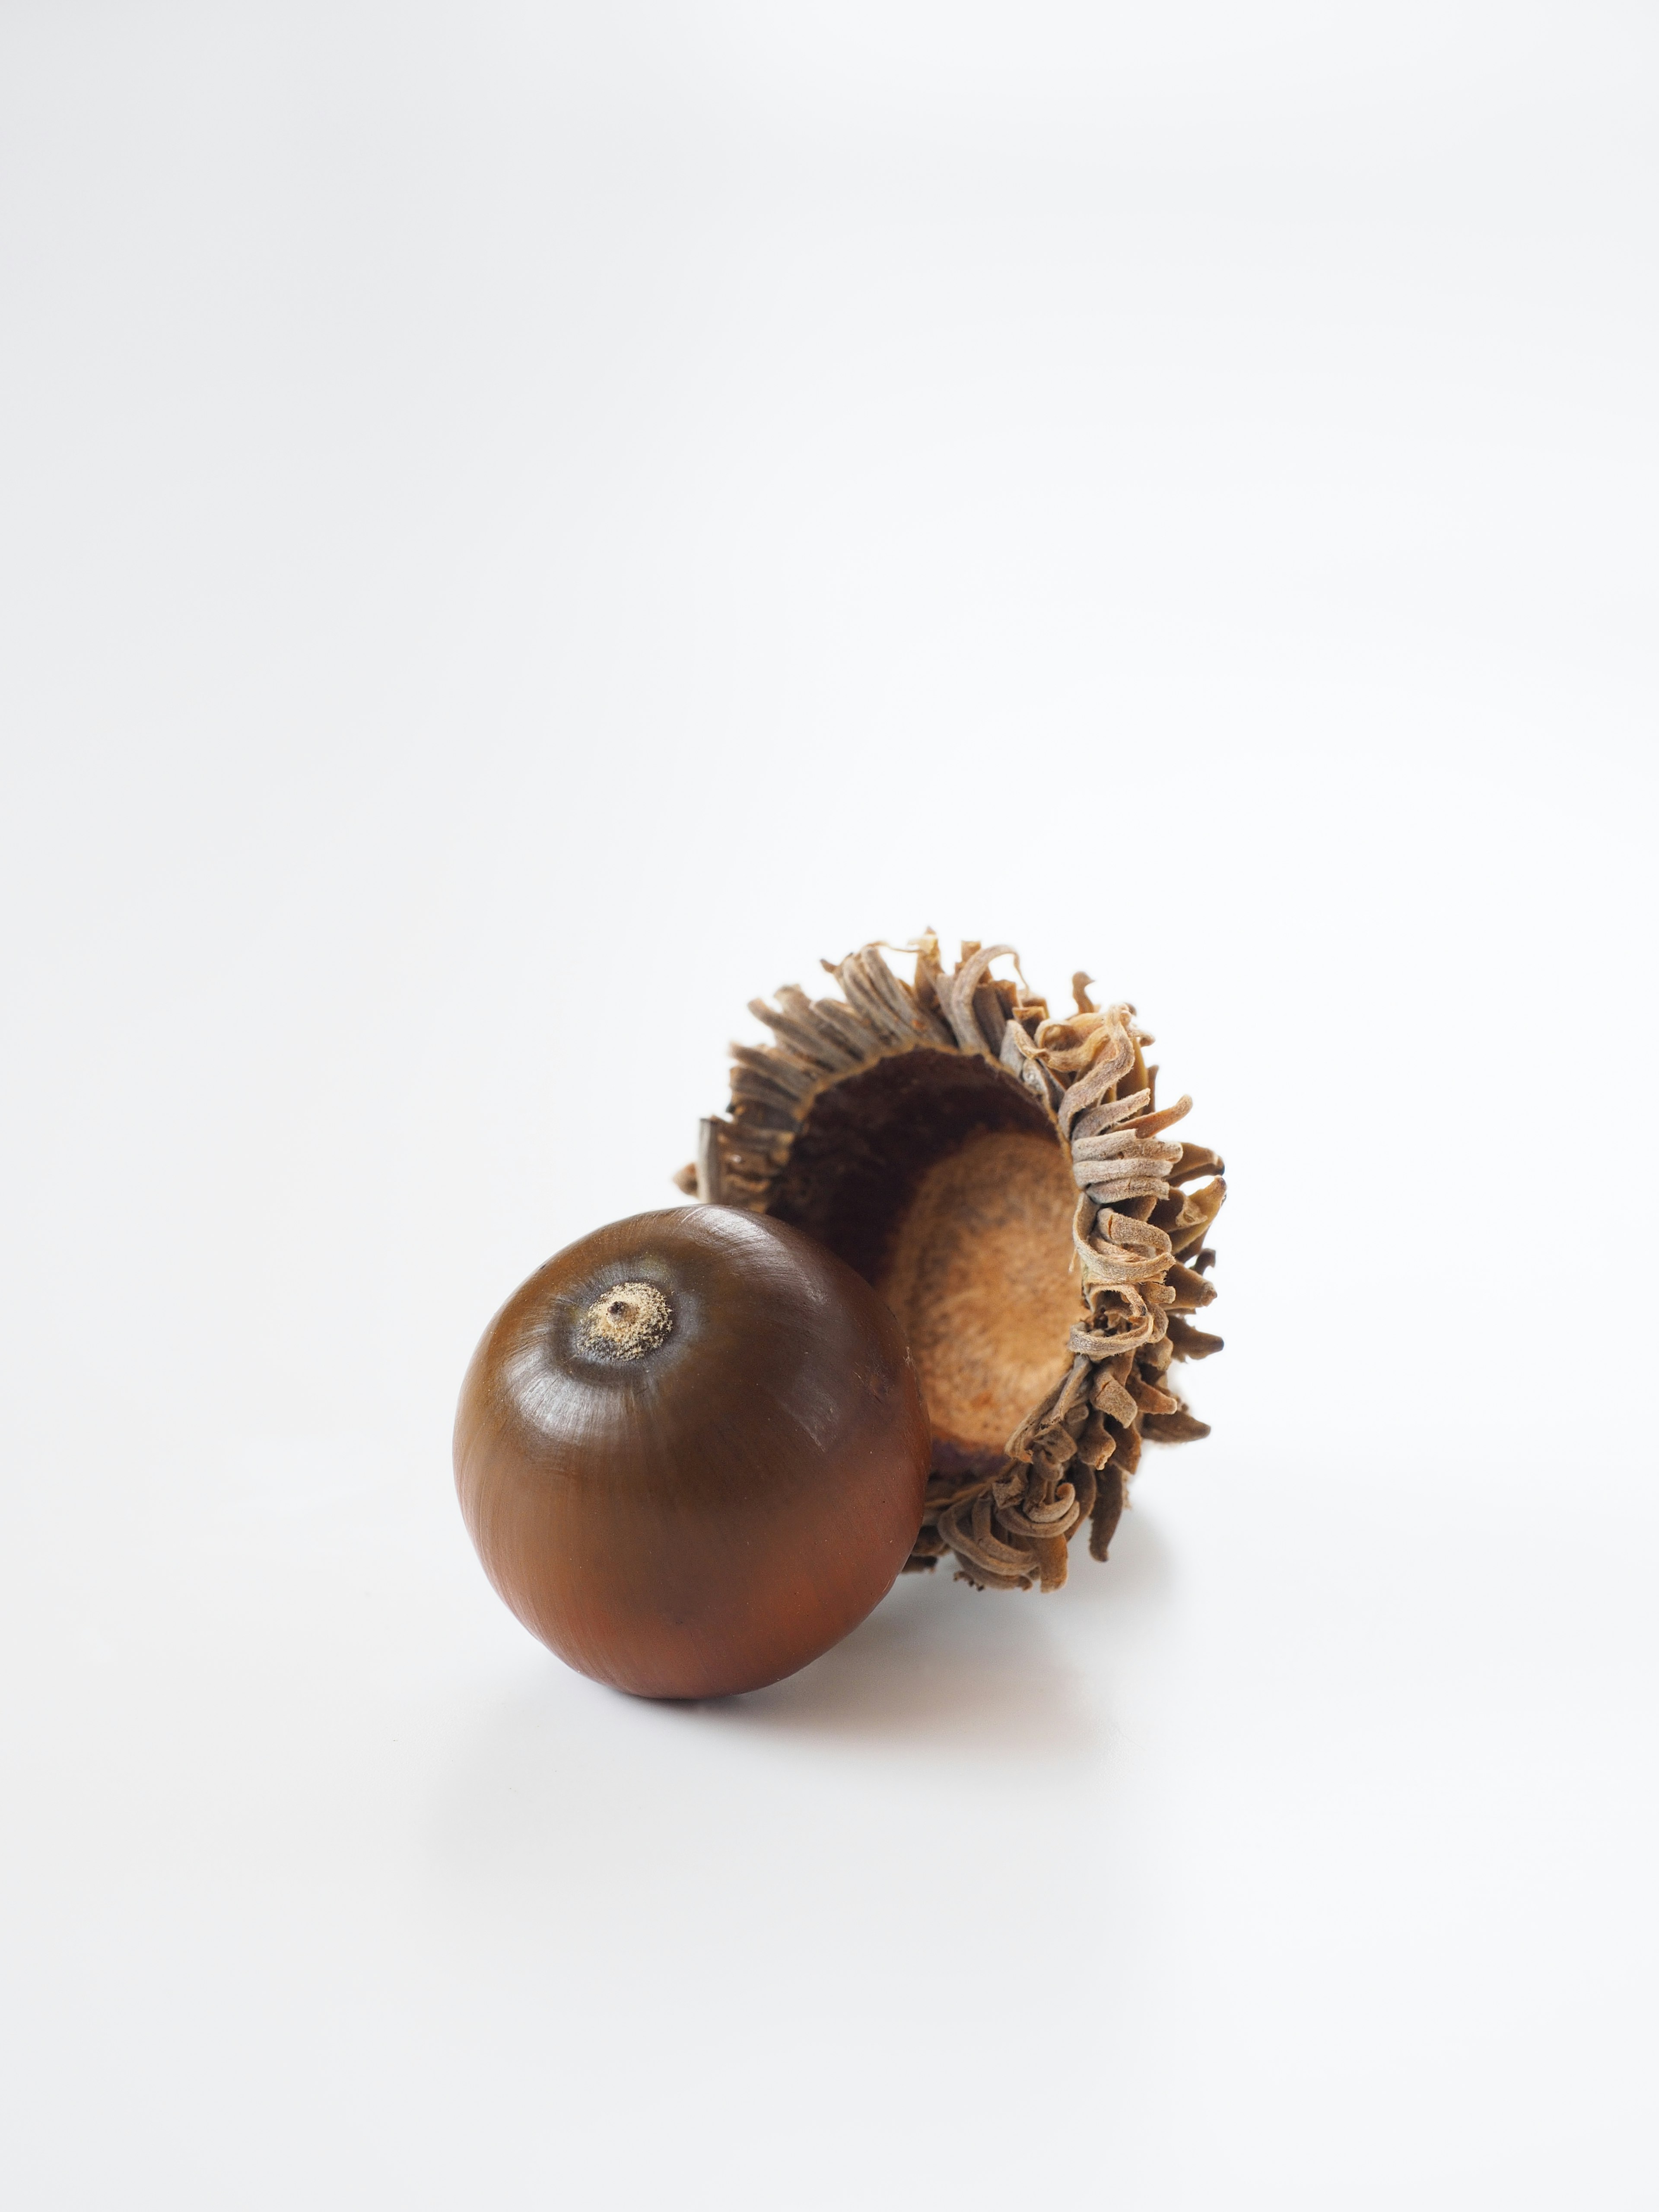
point(1004, 1180)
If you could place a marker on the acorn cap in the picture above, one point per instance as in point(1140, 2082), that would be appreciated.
point(1005, 1181)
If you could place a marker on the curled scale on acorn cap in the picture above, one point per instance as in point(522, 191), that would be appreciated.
point(1007, 1182)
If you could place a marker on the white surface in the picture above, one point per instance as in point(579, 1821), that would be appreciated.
point(526, 527)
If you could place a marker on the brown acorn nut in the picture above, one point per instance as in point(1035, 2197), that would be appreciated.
point(692, 1452)
point(1006, 1180)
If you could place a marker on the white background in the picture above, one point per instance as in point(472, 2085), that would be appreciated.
point(524, 527)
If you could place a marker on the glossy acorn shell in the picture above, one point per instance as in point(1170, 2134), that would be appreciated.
point(709, 1516)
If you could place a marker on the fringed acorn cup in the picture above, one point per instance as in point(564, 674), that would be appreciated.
point(1005, 1181)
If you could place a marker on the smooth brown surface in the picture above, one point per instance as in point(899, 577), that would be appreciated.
point(712, 1515)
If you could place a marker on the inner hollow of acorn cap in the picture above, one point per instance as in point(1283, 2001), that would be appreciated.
point(979, 1276)
point(943, 1183)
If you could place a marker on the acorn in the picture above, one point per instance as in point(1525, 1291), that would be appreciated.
point(1005, 1180)
point(691, 1451)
